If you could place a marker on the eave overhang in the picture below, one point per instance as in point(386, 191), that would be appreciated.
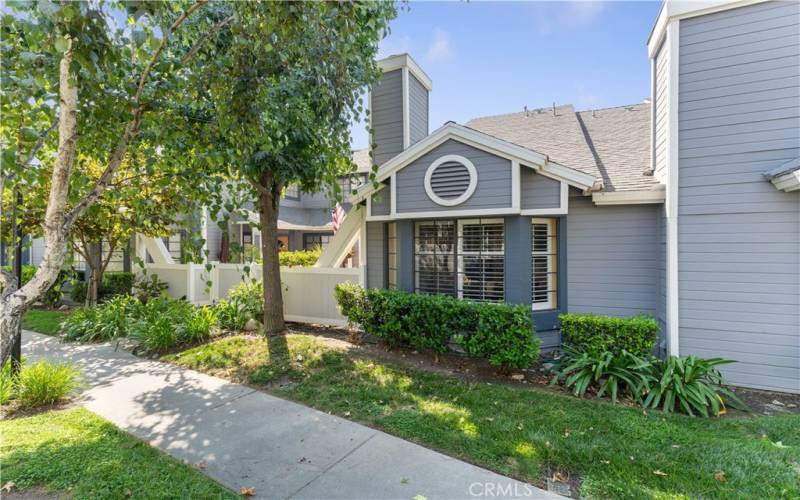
point(539, 162)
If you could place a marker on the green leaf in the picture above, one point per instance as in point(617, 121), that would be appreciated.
point(62, 44)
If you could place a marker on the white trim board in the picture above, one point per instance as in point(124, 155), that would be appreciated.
point(406, 109)
point(654, 196)
point(671, 198)
point(398, 61)
point(472, 212)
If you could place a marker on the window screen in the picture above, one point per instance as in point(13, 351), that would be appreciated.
point(544, 263)
point(463, 258)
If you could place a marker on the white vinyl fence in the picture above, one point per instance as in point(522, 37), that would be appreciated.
point(307, 291)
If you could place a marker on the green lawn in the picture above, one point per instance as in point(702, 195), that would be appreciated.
point(43, 321)
point(78, 453)
point(527, 433)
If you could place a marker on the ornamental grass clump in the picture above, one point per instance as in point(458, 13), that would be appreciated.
point(38, 384)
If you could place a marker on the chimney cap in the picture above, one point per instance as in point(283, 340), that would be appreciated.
point(398, 61)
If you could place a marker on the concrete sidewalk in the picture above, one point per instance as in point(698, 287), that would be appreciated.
point(246, 438)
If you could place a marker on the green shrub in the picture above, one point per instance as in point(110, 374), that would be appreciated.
point(250, 296)
point(7, 382)
point(78, 291)
point(608, 372)
point(117, 283)
point(103, 322)
point(150, 286)
point(300, 258)
point(198, 325)
point(45, 383)
point(597, 334)
point(502, 333)
point(158, 325)
point(690, 385)
point(230, 315)
point(155, 333)
point(112, 284)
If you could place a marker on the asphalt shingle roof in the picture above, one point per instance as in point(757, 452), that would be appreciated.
point(612, 144)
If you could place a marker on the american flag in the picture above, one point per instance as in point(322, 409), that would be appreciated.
point(337, 216)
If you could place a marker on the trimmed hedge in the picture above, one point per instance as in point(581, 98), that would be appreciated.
point(502, 333)
point(596, 334)
point(113, 284)
point(299, 258)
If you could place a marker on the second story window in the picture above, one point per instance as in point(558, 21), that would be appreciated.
point(291, 192)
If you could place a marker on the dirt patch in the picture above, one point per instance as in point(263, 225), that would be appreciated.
point(11, 410)
point(32, 494)
point(767, 402)
point(479, 370)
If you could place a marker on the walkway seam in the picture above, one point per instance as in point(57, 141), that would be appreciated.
point(334, 464)
point(240, 396)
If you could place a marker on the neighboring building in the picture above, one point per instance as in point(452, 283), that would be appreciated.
point(685, 207)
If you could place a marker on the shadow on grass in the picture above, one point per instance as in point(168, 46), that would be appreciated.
point(76, 452)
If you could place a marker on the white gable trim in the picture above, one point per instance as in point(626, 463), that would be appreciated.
point(539, 162)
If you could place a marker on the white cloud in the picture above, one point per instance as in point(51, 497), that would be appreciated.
point(552, 16)
point(440, 49)
point(580, 13)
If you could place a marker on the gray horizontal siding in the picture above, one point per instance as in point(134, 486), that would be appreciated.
point(493, 189)
point(613, 262)
point(538, 191)
point(382, 200)
point(386, 116)
point(739, 237)
point(376, 255)
point(417, 110)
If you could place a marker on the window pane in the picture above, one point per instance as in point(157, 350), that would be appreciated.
point(465, 259)
point(544, 263)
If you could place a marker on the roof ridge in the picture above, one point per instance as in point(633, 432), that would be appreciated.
point(521, 112)
point(611, 107)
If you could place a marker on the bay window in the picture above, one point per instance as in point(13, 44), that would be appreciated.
point(464, 258)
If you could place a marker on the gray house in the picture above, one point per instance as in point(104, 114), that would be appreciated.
point(685, 207)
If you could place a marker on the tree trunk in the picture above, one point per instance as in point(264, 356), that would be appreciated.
point(93, 285)
point(268, 201)
point(13, 305)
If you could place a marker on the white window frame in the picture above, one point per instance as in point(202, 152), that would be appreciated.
point(552, 264)
point(460, 253)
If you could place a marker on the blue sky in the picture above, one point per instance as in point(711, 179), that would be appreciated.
point(488, 58)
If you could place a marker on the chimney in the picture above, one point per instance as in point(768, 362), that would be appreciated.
point(398, 107)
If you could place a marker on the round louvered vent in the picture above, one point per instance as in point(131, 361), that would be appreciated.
point(450, 180)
